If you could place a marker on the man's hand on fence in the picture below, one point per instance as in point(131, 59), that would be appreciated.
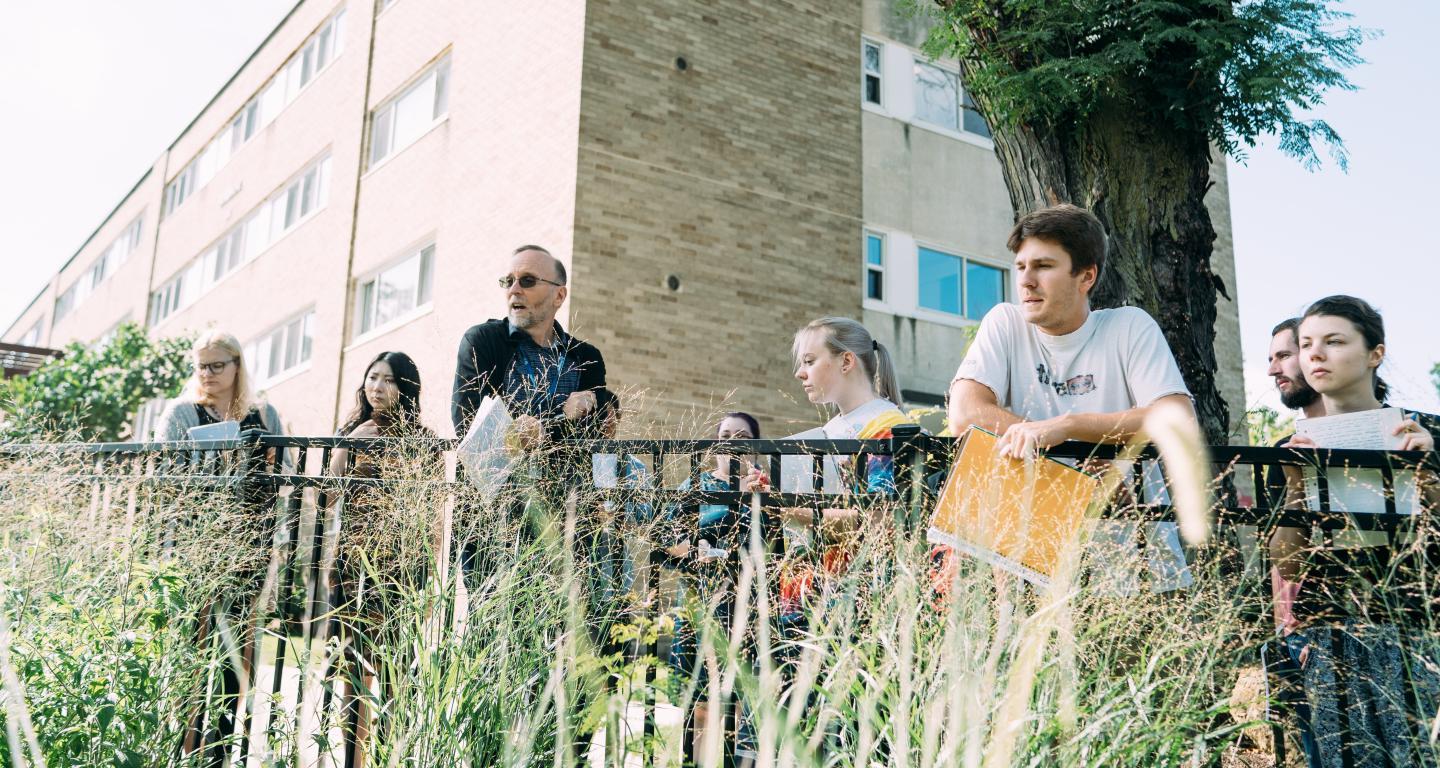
point(527, 432)
point(1027, 438)
point(579, 404)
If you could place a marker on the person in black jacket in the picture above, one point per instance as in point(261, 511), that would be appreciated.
point(552, 383)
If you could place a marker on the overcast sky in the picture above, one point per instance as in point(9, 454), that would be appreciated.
point(97, 89)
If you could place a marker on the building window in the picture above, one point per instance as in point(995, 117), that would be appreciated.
point(984, 288)
point(874, 266)
point(105, 265)
point(942, 288)
point(395, 292)
point(939, 281)
point(298, 200)
point(400, 121)
point(871, 80)
point(940, 101)
point(32, 336)
point(281, 350)
point(317, 53)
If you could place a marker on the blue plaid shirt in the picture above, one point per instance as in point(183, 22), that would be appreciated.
point(540, 379)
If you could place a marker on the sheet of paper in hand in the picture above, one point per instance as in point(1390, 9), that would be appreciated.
point(1359, 490)
point(220, 430)
point(993, 508)
point(1372, 430)
point(487, 461)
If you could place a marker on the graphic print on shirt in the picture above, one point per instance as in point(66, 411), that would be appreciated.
point(1071, 387)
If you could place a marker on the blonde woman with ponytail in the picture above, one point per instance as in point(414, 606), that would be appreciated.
point(838, 363)
point(218, 390)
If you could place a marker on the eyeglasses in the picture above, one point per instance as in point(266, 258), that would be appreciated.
point(525, 281)
point(214, 369)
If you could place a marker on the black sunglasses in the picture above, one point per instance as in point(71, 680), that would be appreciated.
point(525, 281)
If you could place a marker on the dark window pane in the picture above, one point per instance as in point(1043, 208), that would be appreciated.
point(875, 285)
point(973, 122)
point(872, 89)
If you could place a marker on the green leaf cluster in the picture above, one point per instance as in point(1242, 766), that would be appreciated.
point(1230, 70)
point(92, 392)
point(99, 676)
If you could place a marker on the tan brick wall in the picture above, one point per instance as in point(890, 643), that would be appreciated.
point(740, 176)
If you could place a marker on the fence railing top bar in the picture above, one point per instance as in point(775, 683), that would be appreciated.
point(1221, 454)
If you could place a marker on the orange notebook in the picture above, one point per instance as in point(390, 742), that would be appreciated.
point(991, 510)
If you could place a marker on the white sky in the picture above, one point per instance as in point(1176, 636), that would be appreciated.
point(97, 89)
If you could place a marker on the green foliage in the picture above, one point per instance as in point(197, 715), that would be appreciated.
point(1435, 377)
point(91, 394)
point(1266, 426)
point(1228, 70)
point(101, 673)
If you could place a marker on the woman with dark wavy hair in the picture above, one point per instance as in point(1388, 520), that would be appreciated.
point(1356, 666)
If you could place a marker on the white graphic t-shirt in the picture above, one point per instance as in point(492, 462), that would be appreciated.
point(1116, 361)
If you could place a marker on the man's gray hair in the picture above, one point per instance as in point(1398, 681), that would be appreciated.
point(559, 266)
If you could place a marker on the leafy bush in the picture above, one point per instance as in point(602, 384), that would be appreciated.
point(92, 393)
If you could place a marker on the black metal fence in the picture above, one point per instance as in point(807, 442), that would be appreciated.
point(293, 478)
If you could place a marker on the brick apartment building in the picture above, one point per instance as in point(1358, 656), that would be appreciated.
point(714, 174)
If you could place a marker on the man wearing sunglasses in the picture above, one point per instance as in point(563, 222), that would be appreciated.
point(553, 383)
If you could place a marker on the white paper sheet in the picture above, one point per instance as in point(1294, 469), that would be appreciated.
point(1359, 490)
point(220, 430)
point(1371, 430)
point(487, 462)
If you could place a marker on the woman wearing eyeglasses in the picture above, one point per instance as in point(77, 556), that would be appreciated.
point(218, 390)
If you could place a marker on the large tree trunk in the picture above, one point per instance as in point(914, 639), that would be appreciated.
point(1148, 189)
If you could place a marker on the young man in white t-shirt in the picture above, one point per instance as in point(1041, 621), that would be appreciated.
point(1048, 368)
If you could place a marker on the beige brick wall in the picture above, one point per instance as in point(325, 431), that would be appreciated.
point(740, 176)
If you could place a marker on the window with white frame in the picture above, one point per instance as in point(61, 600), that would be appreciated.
point(871, 80)
point(940, 101)
point(396, 291)
point(32, 336)
point(874, 266)
point(309, 60)
point(957, 285)
point(105, 265)
point(295, 202)
point(282, 349)
point(397, 123)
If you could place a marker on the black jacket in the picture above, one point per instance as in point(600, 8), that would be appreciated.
point(484, 359)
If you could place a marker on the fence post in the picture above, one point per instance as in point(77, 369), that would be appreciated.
point(908, 467)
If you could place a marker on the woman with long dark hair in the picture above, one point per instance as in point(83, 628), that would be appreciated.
point(387, 404)
point(1356, 665)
